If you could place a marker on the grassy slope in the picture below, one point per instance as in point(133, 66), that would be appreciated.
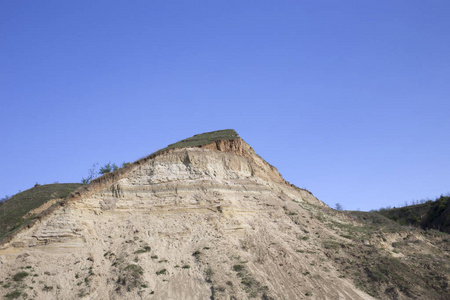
point(418, 269)
point(12, 211)
point(415, 273)
point(428, 215)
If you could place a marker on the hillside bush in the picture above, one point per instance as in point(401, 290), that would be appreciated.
point(108, 168)
point(20, 276)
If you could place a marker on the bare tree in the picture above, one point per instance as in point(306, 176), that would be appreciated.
point(91, 174)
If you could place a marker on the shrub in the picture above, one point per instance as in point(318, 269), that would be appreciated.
point(139, 251)
point(131, 276)
point(13, 295)
point(134, 270)
point(5, 198)
point(330, 244)
point(238, 268)
point(163, 271)
point(47, 288)
point(209, 274)
point(398, 244)
point(20, 276)
point(107, 168)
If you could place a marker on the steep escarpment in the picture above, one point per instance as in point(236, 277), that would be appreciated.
point(208, 220)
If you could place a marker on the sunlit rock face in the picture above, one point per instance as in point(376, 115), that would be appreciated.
point(214, 221)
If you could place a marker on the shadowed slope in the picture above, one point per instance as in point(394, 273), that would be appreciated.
point(428, 215)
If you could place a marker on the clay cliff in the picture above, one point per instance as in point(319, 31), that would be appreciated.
point(204, 219)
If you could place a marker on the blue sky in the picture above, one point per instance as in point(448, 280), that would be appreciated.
point(349, 99)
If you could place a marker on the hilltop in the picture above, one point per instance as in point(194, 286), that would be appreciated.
point(207, 218)
point(202, 139)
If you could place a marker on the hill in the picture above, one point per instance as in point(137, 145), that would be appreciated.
point(428, 215)
point(210, 219)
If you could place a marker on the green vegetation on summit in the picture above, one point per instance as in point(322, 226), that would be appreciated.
point(13, 212)
point(205, 138)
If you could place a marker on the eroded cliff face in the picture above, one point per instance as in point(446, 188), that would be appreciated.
point(210, 222)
